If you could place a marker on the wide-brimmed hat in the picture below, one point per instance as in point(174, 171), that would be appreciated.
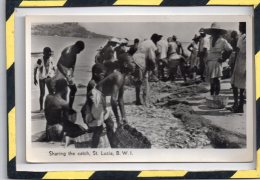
point(215, 27)
point(114, 40)
point(195, 37)
point(124, 41)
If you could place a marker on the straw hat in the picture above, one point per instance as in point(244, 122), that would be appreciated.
point(215, 27)
point(124, 41)
point(114, 40)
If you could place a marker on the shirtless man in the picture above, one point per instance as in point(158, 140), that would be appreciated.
point(113, 85)
point(66, 67)
point(54, 107)
point(57, 112)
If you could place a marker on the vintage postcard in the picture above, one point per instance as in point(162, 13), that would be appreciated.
point(136, 88)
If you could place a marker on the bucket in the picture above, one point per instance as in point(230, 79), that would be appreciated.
point(217, 102)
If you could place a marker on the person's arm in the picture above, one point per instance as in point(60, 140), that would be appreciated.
point(53, 64)
point(65, 105)
point(60, 68)
point(34, 75)
point(227, 50)
point(190, 47)
point(114, 98)
point(121, 103)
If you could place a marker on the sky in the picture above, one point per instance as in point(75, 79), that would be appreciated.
point(184, 31)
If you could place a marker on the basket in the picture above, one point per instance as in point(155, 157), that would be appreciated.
point(217, 102)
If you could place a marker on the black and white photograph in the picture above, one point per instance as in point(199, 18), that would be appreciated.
point(127, 90)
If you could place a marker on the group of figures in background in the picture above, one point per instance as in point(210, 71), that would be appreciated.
point(156, 59)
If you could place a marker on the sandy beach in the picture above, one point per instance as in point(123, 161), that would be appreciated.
point(158, 122)
point(161, 123)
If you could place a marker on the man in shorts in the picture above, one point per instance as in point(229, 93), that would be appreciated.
point(46, 70)
point(66, 67)
point(145, 61)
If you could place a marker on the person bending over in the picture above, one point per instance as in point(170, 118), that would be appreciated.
point(57, 112)
point(66, 67)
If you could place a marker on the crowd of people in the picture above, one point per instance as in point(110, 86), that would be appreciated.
point(158, 58)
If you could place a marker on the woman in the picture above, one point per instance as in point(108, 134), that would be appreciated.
point(219, 52)
point(194, 48)
point(239, 75)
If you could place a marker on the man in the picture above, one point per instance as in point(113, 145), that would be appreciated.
point(175, 58)
point(46, 69)
point(121, 49)
point(113, 85)
point(54, 107)
point(162, 46)
point(66, 67)
point(134, 47)
point(108, 54)
point(145, 61)
point(57, 112)
point(203, 49)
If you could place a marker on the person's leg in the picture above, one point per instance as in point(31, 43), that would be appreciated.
point(146, 90)
point(171, 73)
point(241, 100)
point(183, 69)
point(49, 86)
point(73, 90)
point(217, 86)
point(137, 94)
point(174, 70)
point(212, 86)
point(97, 131)
point(42, 92)
point(159, 65)
point(235, 95)
point(202, 68)
point(138, 76)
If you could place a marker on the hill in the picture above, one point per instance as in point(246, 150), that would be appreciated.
point(64, 30)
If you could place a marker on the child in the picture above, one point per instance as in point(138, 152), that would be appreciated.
point(96, 114)
point(94, 110)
